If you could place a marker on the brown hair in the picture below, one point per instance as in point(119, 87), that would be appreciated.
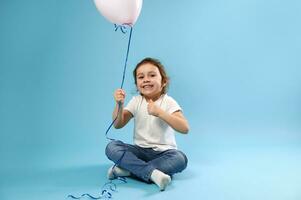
point(158, 64)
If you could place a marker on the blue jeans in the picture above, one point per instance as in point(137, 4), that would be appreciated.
point(142, 161)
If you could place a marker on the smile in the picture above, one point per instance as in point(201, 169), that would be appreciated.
point(147, 86)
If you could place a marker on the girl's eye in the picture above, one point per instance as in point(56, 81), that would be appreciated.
point(153, 75)
point(140, 77)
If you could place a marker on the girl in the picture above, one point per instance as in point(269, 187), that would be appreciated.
point(154, 155)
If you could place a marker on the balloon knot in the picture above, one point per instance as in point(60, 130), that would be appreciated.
point(123, 27)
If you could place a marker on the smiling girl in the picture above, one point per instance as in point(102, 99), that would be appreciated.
point(154, 157)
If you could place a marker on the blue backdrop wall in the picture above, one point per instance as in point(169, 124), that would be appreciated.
point(234, 68)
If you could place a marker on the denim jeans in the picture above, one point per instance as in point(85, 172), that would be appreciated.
point(142, 161)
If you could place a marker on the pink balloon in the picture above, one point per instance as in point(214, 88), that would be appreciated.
point(120, 11)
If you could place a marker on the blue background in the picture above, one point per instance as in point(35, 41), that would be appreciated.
point(234, 69)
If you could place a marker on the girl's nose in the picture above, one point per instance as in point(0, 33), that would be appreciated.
point(145, 80)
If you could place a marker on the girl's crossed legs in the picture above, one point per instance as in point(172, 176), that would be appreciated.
point(141, 162)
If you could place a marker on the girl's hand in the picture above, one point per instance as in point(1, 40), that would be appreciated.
point(152, 109)
point(119, 96)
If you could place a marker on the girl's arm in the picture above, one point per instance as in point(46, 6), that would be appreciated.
point(123, 116)
point(176, 120)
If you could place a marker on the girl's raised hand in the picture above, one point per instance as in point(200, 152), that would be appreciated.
point(119, 96)
point(152, 109)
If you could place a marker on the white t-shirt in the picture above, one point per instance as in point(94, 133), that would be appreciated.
point(151, 131)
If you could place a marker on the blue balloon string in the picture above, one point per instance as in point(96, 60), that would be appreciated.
point(126, 57)
point(121, 27)
point(123, 75)
point(106, 193)
point(110, 187)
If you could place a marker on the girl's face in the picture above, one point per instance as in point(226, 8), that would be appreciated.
point(149, 81)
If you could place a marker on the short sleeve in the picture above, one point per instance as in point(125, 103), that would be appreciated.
point(131, 106)
point(172, 106)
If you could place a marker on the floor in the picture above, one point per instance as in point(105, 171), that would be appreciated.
point(221, 167)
